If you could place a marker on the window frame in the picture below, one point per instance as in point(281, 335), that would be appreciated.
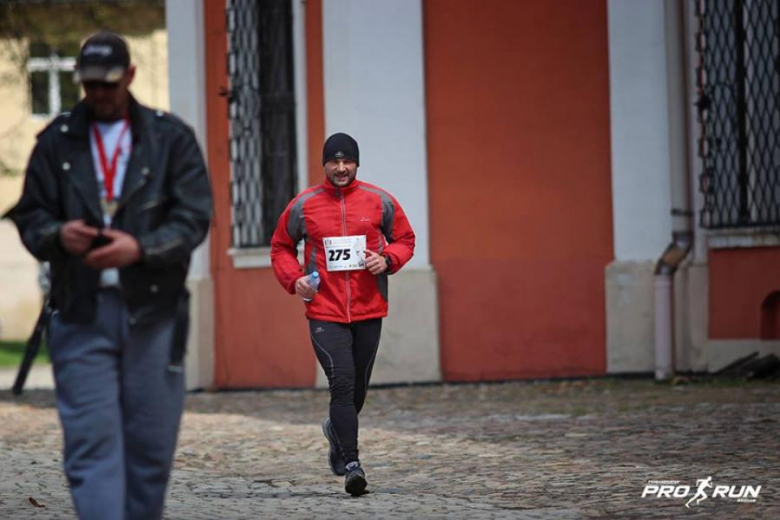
point(53, 65)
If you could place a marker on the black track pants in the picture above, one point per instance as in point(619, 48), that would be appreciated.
point(346, 352)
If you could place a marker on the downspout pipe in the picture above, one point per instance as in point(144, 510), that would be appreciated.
point(679, 174)
point(663, 297)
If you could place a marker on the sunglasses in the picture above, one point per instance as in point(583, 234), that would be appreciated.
point(94, 85)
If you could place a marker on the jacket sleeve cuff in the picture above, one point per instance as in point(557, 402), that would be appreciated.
point(154, 253)
point(52, 247)
point(392, 267)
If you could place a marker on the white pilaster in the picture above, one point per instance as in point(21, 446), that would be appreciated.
point(641, 185)
point(374, 91)
point(639, 121)
point(186, 70)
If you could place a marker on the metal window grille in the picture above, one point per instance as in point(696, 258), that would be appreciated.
point(738, 46)
point(262, 117)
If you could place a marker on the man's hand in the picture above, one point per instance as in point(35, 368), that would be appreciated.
point(121, 251)
point(375, 263)
point(303, 289)
point(76, 237)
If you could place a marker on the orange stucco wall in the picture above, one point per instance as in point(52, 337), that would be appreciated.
point(740, 280)
point(315, 98)
point(517, 104)
point(261, 335)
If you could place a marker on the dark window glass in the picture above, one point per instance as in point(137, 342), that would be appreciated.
point(39, 87)
point(69, 91)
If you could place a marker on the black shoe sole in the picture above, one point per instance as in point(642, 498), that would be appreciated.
point(356, 485)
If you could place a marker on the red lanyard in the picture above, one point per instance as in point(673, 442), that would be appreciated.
point(109, 170)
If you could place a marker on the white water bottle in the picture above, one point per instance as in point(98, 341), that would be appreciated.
point(314, 281)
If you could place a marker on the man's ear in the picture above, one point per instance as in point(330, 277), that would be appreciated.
point(130, 74)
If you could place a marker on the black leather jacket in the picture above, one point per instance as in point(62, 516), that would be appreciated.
point(165, 204)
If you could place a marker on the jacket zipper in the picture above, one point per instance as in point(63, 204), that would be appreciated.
point(344, 230)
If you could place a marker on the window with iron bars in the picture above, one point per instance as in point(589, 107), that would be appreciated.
point(262, 117)
point(738, 46)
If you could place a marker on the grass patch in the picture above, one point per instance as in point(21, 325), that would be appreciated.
point(12, 352)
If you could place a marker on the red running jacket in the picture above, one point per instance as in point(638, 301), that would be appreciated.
point(327, 211)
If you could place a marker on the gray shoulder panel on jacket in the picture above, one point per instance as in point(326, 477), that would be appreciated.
point(388, 211)
point(296, 226)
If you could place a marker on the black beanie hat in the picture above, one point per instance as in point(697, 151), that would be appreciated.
point(340, 146)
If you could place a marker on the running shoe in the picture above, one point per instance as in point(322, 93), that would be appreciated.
point(355, 482)
point(335, 459)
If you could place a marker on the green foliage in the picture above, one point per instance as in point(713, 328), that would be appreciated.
point(61, 21)
point(63, 24)
point(12, 352)
point(38, 27)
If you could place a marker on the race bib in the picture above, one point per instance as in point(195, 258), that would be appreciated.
point(345, 253)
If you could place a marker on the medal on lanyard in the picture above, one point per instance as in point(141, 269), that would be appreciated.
point(107, 202)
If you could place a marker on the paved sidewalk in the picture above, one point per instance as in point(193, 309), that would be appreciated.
point(559, 450)
point(39, 377)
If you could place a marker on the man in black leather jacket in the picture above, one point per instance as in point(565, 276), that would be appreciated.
point(116, 197)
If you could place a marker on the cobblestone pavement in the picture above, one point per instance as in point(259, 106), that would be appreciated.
point(552, 450)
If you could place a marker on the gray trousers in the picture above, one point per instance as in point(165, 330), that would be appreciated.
point(120, 409)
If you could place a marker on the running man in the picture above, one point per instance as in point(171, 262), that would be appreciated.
point(355, 235)
point(700, 495)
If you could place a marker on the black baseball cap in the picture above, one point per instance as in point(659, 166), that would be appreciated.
point(103, 57)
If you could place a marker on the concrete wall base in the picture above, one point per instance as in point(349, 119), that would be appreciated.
point(199, 363)
point(409, 349)
point(630, 317)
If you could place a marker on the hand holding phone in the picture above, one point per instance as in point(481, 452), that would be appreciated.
point(118, 250)
point(99, 241)
point(77, 237)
